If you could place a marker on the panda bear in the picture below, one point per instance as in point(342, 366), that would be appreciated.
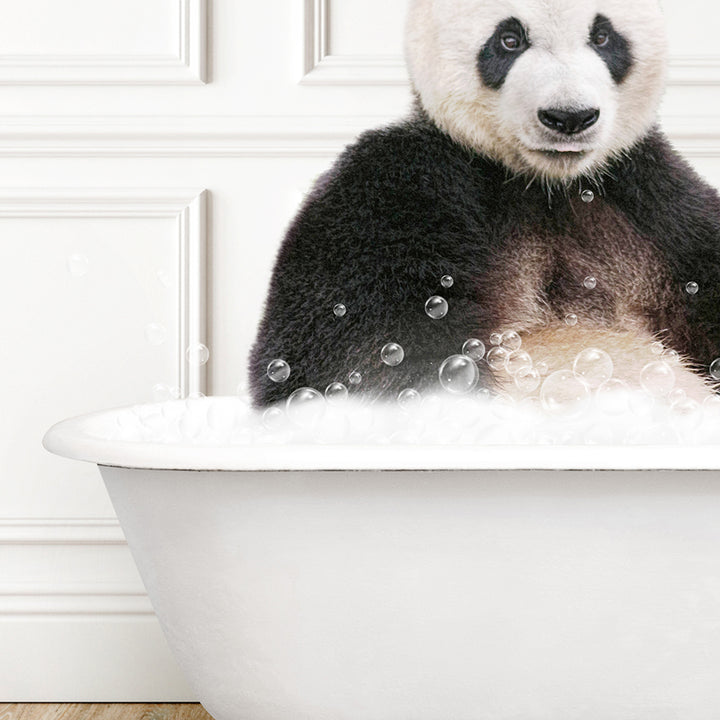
point(530, 188)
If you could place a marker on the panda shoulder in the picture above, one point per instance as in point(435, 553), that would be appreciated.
point(410, 155)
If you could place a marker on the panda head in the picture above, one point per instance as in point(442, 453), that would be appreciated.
point(550, 88)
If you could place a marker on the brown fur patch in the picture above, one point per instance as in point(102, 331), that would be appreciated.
point(542, 281)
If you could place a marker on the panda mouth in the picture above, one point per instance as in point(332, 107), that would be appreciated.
point(562, 154)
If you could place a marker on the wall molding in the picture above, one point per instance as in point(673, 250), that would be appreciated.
point(61, 531)
point(188, 66)
point(189, 136)
point(188, 207)
point(79, 597)
point(85, 599)
point(694, 70)
point(321, 67)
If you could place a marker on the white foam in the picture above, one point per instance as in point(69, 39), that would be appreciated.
point(632, 418)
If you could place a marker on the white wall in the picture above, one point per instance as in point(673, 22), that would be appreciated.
point(161, 146)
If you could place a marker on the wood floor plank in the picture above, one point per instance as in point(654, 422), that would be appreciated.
point(103, 711)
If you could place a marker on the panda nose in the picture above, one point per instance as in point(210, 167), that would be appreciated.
point(569, 122)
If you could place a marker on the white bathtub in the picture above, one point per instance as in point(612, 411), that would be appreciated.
point(435, 583)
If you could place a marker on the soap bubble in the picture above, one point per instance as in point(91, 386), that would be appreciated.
point(78, 264)
point(336, 393)
point(594, 366)
point(447, 281)
point(590, 282)
point(676, 396)
point(542, 367)
point(685, 415)
point(496, 357)
point(587, 196)
point(305, 407)
point(355, 378)
point(715, 369)
point(161, 392)
point(278, 371)
point(571, 319)
point(409, 399)
point(495, 338)
point(611, 397)
point(436, 307)
point(475, 349)
point(392, 354)
point(527, 379)
point(671, 356)
point(564, 395)
point(517, 361)
point(657, 348)
point(197, 355)
point(657, 378)
point(243, 392)
point(273, 419)
point(692, 288)
point(155, 333)
point(511, 340)
point(459, 374)
point(339, 310)
point(163, 277)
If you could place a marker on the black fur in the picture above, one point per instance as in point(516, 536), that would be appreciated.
point(406, 205)
point(616, 52)
point(494, 60)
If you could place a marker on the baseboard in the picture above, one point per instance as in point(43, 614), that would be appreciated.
point(87, 659)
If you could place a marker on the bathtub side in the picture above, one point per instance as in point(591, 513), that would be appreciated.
point(378, 596)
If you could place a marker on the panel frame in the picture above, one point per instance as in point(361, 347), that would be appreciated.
point(188, 66)
point(188, 207)
point(323, 68)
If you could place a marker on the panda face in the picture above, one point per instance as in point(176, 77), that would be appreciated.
point(550, 88)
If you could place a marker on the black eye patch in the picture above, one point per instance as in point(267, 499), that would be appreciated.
point(612, 47)
point(507, 44)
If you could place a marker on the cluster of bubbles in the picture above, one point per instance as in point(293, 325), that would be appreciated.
point(583, 403)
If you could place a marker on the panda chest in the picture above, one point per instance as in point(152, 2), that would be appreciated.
point(593, 265)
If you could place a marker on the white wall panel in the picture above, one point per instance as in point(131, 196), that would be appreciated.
point(83, 275)
point(102, 41)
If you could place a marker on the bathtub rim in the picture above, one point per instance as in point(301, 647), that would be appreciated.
point(70, 439)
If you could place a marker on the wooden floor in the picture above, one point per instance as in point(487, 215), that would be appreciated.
point(102, 711)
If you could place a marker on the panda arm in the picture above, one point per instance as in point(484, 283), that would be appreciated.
point(671, 204)
point(376, 235)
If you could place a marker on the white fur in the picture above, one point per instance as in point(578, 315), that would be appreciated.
point(559, 70)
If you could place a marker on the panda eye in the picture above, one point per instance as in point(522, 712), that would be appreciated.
point(601, 38)
point(510, 41)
